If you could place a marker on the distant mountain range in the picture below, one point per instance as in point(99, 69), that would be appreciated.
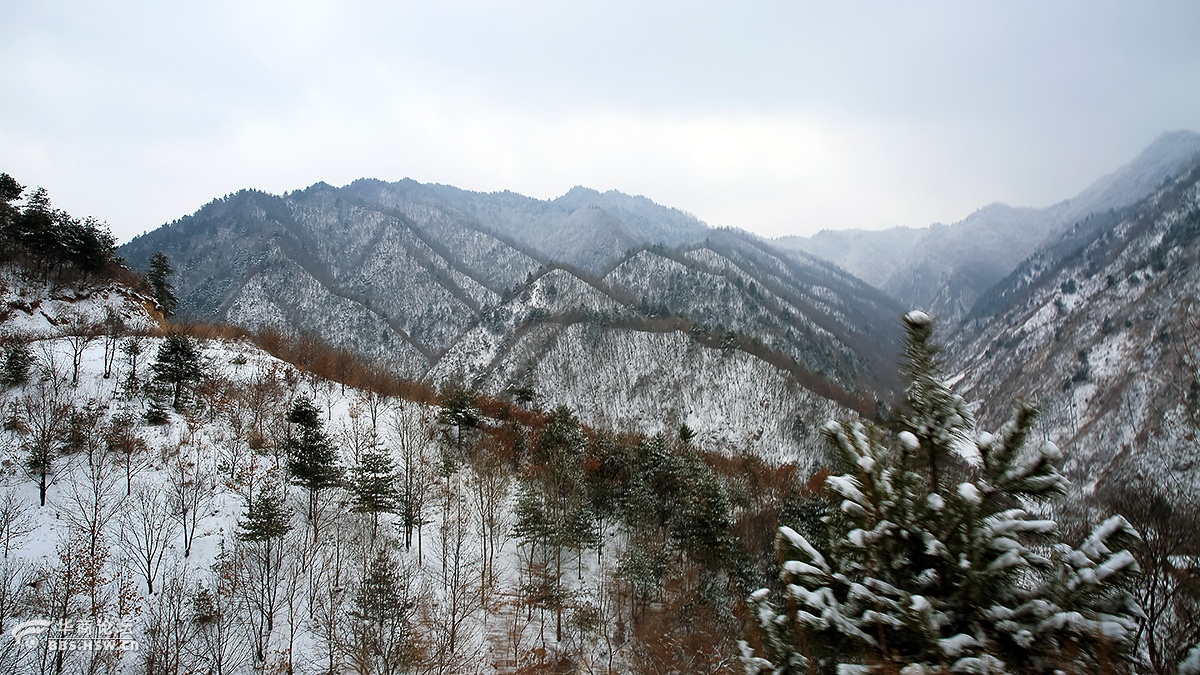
point(945, 268)
point(638, 315)
point(630, 311)
point(1101, 329)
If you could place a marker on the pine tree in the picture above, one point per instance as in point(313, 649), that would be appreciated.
point(158, 275)
point(51, 238)
point(10, 191)
point(267, 517)
point(18, 359)
point(381, 617)
point(373, 485)
point(266, 523)
point(701, 521)
point(459, 410)
point(313, 461)
point(177, 364)
point(938, 560)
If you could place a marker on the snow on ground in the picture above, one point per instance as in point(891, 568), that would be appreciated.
point(35, 309)
point(209, 447)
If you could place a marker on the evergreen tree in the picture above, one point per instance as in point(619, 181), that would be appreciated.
point(701, 521)
point(89, 244)
point(18, 359)
point(373, 485)
point(177, 364)
point(381, 618)
point(10, 191)
point(267, 518)
point(938, 560)
point(458, 409)
point(158, 276)
point(34, 231)
point(312, 458)
point(51, 238)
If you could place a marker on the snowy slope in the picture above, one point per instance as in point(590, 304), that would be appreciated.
point(945, 268)
point(442, 284)
point(226, 446)
point(1098, 329)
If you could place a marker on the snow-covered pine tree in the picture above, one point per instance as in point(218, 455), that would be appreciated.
point(177, 365)
point(18, 361)
point(313, 460)
point(158, 276)
point(372, 485)
point(939, 560)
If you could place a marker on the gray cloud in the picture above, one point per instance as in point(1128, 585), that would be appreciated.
point(778, 117)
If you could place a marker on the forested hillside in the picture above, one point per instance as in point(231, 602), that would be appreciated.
point(632, 313)
point(204, 496)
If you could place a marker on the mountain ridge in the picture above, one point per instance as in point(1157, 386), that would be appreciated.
point(444, 284)
point(946, 268)
point(1106, 317)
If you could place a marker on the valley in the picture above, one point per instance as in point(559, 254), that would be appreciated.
point(402, 427)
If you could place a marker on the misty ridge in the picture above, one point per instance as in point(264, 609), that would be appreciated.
point(404, 427)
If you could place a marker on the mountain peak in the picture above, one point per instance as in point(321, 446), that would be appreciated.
point(1166, 156)
point(578, 195)
point(1172, 139)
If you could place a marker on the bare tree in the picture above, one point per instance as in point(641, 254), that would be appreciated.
point(42, 412)
point(458, 599)
point(15, 580)
point(66, 591)
point(16, 521)
point(147, 528)
point(133, 348)
point(170, 629)
point(356, 434)
point(79, 332)
point(373, 402)
point(235, 448)
point(489, 488)
point(114, 327)
point(16, 524)
point(301, 558)
point(329, 600)
point(189, 493)
point(412, 427)
point(263, 399)
point(127, 447)
point(92, 500)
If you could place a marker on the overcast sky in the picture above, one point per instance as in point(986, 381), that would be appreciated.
point(776, 117)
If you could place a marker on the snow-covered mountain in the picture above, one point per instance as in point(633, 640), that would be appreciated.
point(945, 268)
point(629, 311)
point(1099, 328)
point(128, 528)
point(701, 362)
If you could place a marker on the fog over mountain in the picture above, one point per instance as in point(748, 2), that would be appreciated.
point(945, 268)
